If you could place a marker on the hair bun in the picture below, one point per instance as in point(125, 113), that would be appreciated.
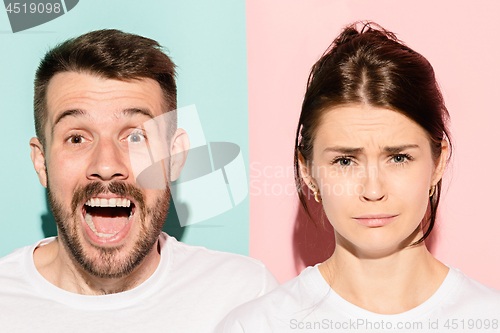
point(348, 34)
point(360, 28)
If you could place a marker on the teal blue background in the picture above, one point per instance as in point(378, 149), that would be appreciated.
point(207, 41)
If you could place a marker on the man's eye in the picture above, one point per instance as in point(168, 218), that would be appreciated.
point(76, 139)
point(135, 137)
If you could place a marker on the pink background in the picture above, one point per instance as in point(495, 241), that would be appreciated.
point(459, 38)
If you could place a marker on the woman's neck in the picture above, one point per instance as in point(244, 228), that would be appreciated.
point(388, 284)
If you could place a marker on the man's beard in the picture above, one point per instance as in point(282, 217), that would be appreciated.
point(107, 263)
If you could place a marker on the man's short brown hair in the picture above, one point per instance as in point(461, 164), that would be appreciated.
point(110, 54)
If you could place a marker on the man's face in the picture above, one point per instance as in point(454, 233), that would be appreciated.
point(105, 221)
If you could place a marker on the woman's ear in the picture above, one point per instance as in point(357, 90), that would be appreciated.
point(441, 163)
point(305, 168)
point(38, 159)
point(179, 149)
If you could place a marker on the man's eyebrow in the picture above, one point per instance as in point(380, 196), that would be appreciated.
point(398, 149)
point(344, 150)
point(127, 112)
point(73, 113)
point(134, 111)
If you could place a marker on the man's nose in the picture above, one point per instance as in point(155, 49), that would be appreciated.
point(108, 162)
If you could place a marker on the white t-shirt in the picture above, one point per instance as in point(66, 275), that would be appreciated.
point(308, 304)
point(192, 289)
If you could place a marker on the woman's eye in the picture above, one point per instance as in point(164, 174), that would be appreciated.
point(343, 161)
point(401, 158)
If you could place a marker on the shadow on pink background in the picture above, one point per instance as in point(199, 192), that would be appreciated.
point(459, 38)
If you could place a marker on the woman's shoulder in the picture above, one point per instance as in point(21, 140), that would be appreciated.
point(276, 306)
point(299, 292)
point(459, 297)
point(469, 297)
point(473, 290)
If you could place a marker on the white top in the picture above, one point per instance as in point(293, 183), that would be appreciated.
point(308, 304)
point(192, 289)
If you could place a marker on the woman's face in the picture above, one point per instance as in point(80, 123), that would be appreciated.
point(374, 169)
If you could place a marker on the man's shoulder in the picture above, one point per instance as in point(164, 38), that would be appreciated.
point(201, 264)
point(17, 268)
point(212, 259)
point(15, 276)
point(13, 259)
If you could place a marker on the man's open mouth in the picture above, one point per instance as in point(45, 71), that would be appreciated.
point(107, 217)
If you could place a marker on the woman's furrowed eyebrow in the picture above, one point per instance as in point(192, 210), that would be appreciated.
point(398, 149)
point(358, 150)
point(344, 150)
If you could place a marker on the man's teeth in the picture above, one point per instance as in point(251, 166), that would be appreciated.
point(88, 219)
point(112, 202)
point(101, 202)
point(90, 223)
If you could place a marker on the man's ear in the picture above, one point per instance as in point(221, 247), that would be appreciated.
point(179, 148)
point(441, 165)
point(38, 159)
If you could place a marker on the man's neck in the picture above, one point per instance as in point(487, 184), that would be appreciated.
point(57, 267)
